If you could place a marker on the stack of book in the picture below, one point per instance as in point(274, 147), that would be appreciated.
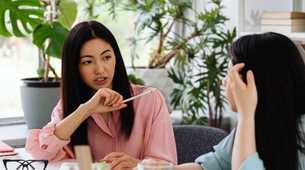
point(283, 22)
point(6, 150)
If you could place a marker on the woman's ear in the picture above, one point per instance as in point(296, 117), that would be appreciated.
point(243, 74)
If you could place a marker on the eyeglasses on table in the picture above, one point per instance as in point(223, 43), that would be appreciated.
point(19, 164)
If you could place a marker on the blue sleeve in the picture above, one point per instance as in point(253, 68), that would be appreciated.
point(253, 162)
point(220, 159)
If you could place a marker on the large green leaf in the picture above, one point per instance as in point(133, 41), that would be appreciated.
point(55, 32)
point(68, 12)
point(18, 15)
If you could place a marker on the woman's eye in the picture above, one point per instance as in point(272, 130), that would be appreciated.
point(107, 57)
point(86, 62)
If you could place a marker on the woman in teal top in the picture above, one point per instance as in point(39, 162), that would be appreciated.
point(266, 86)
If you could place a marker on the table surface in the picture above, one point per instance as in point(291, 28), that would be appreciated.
point(22, 154)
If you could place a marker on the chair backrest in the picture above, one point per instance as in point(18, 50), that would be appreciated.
point(195, 140)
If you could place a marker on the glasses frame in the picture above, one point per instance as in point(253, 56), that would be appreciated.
point(25, 163)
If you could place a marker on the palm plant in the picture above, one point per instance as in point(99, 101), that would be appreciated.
point(159, 18)
point(200, 56)
point(200, 67)
point(111, 6)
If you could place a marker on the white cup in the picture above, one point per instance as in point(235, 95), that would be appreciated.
point(75, 166)
point(150, 164)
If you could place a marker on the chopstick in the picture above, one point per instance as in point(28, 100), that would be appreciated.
point(139, 95)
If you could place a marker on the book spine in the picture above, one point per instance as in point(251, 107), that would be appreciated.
point(288, 22)
point(283, 29)
point(283, 15)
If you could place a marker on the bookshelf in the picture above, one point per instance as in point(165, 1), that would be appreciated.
point(249, 15)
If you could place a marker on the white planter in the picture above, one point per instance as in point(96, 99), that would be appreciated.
point(156, 78)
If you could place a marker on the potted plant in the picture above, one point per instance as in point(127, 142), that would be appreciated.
point(200, 68)
point(199, 56)
point(155, 24)
point(40, 20)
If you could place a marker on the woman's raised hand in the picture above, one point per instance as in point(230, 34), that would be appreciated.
point(105, 100)
point(244, 94)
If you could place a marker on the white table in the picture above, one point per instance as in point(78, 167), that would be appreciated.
point(22, 154)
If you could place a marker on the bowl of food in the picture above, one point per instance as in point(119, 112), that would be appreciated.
point(75, 166)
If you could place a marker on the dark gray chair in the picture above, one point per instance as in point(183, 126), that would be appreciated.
point(195, 140)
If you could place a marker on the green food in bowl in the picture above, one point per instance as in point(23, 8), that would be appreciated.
point(101, 166)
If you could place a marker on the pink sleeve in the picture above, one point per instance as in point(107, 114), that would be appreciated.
point(161, 141)
point(43, 144)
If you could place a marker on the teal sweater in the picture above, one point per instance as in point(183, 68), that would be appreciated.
point(220, 159)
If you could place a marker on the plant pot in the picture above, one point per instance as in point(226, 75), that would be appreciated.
point(38, 99)
point(156, 77)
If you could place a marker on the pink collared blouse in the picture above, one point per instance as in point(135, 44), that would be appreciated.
point(152, 134)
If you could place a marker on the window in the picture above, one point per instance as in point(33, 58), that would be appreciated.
point(18, 59)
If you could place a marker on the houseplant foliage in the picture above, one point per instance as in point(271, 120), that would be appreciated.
point(41, 21)
point(136, 80)
point(200, 66)
point(200, 55)
point(93, 7)
point(32, 16)
point(158, 18)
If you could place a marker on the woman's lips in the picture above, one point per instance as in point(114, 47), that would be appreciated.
point(100, 81)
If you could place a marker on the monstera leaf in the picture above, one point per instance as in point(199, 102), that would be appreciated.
point(18, 15)
point(68, 12)
point(55, 33)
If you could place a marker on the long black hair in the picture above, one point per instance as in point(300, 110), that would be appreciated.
point(76, 92)
point(280, 80)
